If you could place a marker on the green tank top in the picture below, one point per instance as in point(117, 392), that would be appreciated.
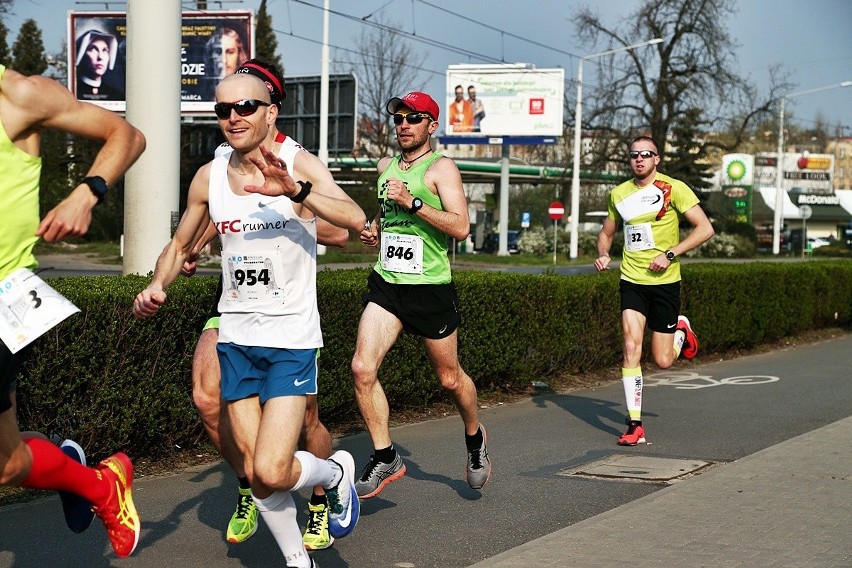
point(19, 177)
point(411, 251)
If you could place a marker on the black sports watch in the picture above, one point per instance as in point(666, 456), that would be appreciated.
point(98, 186)
point(670, 255)
point(416, 205)
point(303, 193)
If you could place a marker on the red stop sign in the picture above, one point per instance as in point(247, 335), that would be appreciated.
point(556, 211)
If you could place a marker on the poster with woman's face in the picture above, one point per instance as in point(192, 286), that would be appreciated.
point(213, 45)
point(98, 61)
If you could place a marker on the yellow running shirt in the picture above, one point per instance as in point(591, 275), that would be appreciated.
point(651, 215)
point(19, 178)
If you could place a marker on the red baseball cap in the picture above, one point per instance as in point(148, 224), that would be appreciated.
point(421, 102)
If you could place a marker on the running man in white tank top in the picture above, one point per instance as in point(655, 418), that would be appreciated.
point(265, 212)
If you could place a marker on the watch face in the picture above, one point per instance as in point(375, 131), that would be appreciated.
point(670, 255)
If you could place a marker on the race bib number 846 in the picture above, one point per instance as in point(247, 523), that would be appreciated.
point(402, 253)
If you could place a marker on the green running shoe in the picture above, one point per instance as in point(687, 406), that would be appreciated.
point(243, 523)
point(316, 535)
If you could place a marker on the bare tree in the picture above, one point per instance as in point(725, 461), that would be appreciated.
point(688, 85)
point(386, 66)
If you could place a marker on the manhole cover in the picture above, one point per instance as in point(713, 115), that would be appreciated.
point(643, 468)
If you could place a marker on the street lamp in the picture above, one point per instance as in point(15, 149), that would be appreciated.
point(578, 128)
point(779, 166)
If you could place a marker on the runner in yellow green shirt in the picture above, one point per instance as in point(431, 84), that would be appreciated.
point(650, 207)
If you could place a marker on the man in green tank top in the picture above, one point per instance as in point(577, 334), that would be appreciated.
point(422, 204)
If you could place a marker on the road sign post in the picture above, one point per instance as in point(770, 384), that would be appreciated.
point(556, 211)
point(805, 211)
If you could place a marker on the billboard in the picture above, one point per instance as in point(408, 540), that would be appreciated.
point(213, 45)
point(504, 100)
point(801, 172)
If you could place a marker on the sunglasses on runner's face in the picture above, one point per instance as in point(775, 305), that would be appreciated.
point(410, 117)
point(644, 154)
point(245, 107)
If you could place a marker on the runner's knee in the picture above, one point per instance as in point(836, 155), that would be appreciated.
point(365, 372)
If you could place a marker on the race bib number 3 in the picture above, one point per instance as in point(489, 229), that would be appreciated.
point(638, 237)
point(29, 308)
point(402, 253)
point(251, 278)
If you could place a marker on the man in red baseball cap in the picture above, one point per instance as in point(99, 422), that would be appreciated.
point(411, 288)
point(415, 100)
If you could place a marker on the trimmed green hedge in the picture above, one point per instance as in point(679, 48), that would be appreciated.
point(113, 381)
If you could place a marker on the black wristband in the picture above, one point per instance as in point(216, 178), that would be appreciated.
point(306, 189)
point(98, 186)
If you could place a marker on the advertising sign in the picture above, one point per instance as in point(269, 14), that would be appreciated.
point(213, 45)
point(802, 172)
point(737, 185)
point(503, 100)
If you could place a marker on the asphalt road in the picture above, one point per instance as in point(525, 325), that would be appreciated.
point(703, 410)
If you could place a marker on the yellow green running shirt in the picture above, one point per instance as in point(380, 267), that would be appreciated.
point(411, 250)
point(19, 179)
point(651, 215)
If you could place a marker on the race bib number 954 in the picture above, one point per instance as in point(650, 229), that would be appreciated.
point(29, 308)
point(251, 278)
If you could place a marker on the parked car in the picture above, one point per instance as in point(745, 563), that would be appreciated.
point(816, 242)
point(491, 243)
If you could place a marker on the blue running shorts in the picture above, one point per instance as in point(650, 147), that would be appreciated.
point(268, 372)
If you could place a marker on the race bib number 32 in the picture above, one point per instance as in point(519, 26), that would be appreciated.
point(402, 253)
point(638, 237)
point(29, 308)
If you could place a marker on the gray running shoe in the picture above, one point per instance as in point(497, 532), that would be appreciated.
point(377, 475)
point(479, 464)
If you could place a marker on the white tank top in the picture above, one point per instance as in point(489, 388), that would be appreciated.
point(268, 265)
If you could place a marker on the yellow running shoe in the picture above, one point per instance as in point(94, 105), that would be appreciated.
point(243, 522)
point(316, 535)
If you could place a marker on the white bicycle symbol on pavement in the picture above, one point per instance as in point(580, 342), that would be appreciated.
point(685, 380)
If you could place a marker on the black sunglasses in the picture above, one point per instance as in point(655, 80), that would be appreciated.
point(411, 117)
point(245, 107)
point(645, 154)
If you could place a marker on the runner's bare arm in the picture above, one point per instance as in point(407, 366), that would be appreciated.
point(195, 220)
point(325, 198)
point(58, 109)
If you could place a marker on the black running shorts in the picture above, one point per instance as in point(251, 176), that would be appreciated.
point(659, 303)
point(10, 366)
point(427, 310)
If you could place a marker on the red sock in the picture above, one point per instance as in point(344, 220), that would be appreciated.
point(53, 470)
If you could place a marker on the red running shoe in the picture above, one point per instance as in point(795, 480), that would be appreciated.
point(690, 343)
point(119, 514)
point(635, 434)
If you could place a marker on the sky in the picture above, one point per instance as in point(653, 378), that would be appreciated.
point(810, 39)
